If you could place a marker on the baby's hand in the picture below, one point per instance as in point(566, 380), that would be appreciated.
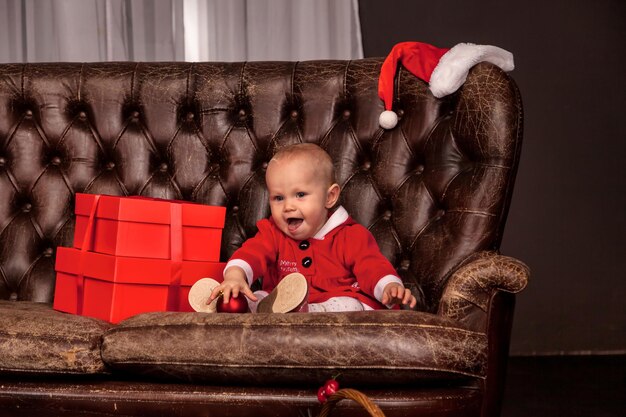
point(394, 293)
point(234, 283)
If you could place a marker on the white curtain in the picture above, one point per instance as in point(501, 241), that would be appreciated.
point(178, 30)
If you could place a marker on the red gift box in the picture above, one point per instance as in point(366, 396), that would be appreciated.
point(113, 288)
point(141, 227)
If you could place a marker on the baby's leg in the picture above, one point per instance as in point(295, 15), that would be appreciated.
point(252, 305)
point(337, 304)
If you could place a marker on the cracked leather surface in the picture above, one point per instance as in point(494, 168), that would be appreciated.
point(401, 346)
point(36, 339)
point(471, 287)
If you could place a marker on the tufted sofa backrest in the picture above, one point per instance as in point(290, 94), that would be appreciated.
point(433, 191)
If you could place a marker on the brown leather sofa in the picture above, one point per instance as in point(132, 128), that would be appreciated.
point(434, 191)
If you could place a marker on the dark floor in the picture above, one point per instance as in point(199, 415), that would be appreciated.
point(572, 386)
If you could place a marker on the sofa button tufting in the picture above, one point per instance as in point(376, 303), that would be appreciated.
point(264, 165)
point(2, 161)
point(367, 165)
point(235, 209)
point(82, 115)
point(294, 114)
point(190, 116)
point(419, 169)
point(163, 167)
point(135, 114)
point(110, 165)
point(48, 252)
point(400, 113)
point(13, 296)
point(440, 214)
point(346, 114)
point(56, 161)
point(27, 207)
point(28, 113)
point(387, 215)
point(405, 264)
point(242, 114)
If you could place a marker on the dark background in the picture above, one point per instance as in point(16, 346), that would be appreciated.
point(567, 218)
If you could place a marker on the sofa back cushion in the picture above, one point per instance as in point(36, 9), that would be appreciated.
point(433, 190)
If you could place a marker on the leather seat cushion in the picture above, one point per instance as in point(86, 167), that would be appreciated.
point(34, 338)
point(366, 348)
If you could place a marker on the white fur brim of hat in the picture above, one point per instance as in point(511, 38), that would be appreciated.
point(452, 69)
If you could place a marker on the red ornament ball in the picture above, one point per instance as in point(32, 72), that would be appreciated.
point(331, 386)
point(237, 304)
point(321, 395)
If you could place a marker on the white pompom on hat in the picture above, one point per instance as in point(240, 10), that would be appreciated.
point(445, 69)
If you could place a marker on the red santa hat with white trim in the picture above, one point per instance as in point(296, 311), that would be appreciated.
point(445, 69)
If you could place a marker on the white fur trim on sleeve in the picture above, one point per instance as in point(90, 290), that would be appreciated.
point(380, 286)
point(243, 265)
point(452, 69)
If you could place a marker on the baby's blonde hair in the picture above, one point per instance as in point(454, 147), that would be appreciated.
point(318, 156)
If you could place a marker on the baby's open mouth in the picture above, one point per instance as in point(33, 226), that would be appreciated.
point(293, 223)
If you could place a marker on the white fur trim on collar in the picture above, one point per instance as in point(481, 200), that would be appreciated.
point(452, 69)
point(337, 219)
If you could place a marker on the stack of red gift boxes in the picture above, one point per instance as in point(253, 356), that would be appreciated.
point(134, 255)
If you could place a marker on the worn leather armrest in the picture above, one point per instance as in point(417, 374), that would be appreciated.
point(470, 288)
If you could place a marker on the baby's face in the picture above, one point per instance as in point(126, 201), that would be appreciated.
point(299, 197)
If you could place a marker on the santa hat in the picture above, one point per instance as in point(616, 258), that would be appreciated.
point(445, 69)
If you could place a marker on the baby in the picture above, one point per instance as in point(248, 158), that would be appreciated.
point(311, 255)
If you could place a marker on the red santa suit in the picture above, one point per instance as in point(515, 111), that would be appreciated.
point(342, 259)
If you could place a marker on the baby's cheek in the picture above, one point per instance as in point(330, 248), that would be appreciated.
point(276, 217)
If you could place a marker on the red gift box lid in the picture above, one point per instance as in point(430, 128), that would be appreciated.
point(150, 210)
point(119, 269)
